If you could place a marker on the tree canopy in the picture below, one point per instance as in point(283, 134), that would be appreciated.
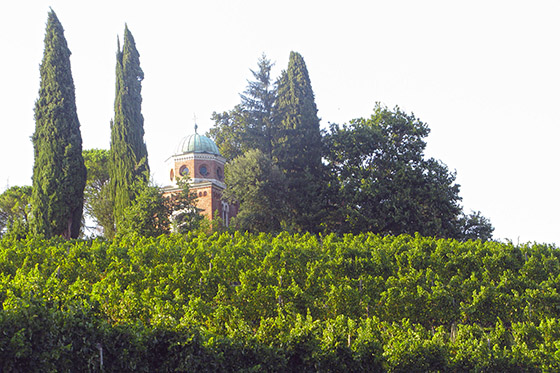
point(98, 202)
point(386, 184)
point(15, 206)
point(369, 175)
point(259, 187)
point(279, 121)
point(285, 173)
point(152, 213)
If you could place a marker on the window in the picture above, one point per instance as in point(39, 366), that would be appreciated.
point(184, 170)
point(203, 170)
point(171, 175)
point(225, 213)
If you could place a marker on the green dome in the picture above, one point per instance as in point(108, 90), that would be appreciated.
point(196, 143)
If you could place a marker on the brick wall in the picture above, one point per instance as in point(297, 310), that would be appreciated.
point(194, 165)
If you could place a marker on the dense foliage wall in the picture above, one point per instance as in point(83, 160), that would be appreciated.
point(278, 303)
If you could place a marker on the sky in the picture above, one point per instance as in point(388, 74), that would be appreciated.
point(483, 75)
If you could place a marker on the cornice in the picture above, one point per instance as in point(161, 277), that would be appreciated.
point(197, 156)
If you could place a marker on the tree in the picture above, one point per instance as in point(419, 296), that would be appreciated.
point(386, 185)
point(258, 186)
point(297, 143)
point(151, 214)
point(297, 147)
point(474, 226)
point(245, 136)
point(229, 132)
point(14, 211)
point(146, 214)
point(281, 121)
point(258, 100)
point(128, 160)
point(97, 199)
point(59, 174)
point(183, 214)
point(249, 124)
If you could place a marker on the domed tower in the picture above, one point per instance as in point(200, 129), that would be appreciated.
point(198, 158)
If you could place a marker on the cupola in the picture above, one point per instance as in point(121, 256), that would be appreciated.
point(195, 143)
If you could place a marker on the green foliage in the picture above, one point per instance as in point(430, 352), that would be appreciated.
point(385, 184)
point(147, 215)
point(182, 211)
point(257, 185)
point(250, 124)
point(97, 197)
point(229, 132)
point(280, 121)
point(151, 214)
point(258, 101)
point(474, 226)
point(128, 160)
point(231, 302)
point(297, 145)
point(297, 148)
point(370, 175)
point(14, 212)
point(59, 174)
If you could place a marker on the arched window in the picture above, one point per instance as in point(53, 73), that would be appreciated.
point(225, 213)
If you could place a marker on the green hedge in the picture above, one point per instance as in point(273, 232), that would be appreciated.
point(278, 303)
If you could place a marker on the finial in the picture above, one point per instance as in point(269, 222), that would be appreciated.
point(195, 125)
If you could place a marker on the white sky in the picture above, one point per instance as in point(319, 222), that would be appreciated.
point(484, 76)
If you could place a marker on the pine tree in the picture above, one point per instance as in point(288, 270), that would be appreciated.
point(297, 143)
point(98, 203)
point(249, 125)
point(59, 174)
point(258, 101)
point(129, 156)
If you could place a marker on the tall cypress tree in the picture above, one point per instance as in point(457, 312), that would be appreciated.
point(297, 143)
point(129, 156)
point(59, 174)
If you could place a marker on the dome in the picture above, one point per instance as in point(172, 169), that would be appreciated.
point(196, 143)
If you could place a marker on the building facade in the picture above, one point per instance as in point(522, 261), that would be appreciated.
point(197, 158)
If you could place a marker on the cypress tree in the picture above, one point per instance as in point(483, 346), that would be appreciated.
point(128, 153)
point(298, 135)
point(59, 174)
point(297, 143)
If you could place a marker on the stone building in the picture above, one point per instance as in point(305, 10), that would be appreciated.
point(198, 158)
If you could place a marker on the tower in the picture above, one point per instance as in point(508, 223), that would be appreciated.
point(198, 158)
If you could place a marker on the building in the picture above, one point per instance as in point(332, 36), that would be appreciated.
point(198, 158)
